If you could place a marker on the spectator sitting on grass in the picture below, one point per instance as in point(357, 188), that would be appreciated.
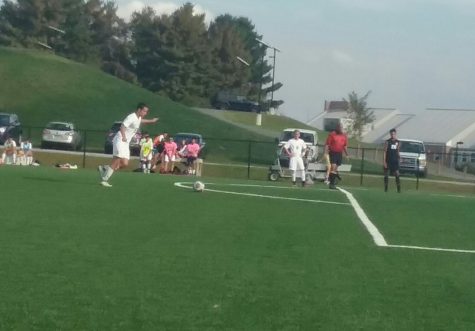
point(9, 155)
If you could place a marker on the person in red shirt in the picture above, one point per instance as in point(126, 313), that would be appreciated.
point(335, 146)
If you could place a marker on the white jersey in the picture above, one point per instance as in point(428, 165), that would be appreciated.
point(26, 146)
point(296, 147)
point(131, 124)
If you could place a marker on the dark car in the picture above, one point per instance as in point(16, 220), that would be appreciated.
point(10, 126)
point(229, 101)
point(134, 144)
point(179, 137)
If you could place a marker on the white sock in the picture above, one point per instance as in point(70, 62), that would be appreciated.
point(108, 173)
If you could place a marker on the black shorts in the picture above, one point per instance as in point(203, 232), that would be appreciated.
point(335, 158)
point(393, 166)
point(190, 160)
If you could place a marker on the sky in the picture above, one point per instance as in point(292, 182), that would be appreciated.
point(411, 54)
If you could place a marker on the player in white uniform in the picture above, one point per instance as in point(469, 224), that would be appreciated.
point(296, 148)
point(121, 141)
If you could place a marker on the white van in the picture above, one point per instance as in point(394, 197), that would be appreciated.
point(413, 157)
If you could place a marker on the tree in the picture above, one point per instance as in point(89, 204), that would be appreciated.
point(171, 53)
point(359, 113)
point(226, 45)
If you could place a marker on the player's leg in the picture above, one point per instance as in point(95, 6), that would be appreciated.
point(398, 181)
point(386, 179)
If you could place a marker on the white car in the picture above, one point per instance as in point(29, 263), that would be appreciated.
point(61, 135)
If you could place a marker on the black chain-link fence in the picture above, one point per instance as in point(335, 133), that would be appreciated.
point(253, 159)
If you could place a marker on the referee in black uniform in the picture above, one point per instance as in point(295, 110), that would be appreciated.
point(391, 160)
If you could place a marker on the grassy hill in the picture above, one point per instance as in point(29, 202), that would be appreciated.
point(41, 87)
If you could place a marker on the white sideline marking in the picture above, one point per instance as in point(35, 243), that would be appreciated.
point(433, 248)
point(378, 237)
point(373, 230)
point(183, 185)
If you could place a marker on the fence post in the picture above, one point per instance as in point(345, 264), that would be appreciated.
point(84, 143)
point(249, 160)
point(417, 172)
point(362, 167)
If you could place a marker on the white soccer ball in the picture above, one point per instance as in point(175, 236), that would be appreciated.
point(198, 186)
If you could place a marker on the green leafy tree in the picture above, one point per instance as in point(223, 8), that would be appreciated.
point(227, 44)
point(359, 113)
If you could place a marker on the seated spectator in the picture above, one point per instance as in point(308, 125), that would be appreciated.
point(193, 149)
point(26, 151)
point(9, 154)
point(182, 151)
point(169, 154)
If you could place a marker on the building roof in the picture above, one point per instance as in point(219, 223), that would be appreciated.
point(332, 106)
point(380, 131)
point(440, 126)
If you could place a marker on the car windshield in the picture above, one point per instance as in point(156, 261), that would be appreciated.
point(60, 126)
point(4, 120)
point(307, 137)
point(180, 137)
point(412, 147)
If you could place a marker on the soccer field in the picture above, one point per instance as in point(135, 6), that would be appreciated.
point(151, 254)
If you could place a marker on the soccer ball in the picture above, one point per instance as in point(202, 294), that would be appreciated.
point(198, 186)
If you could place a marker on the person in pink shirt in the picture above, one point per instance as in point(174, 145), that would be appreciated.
point(169, 154)
point(193, 149)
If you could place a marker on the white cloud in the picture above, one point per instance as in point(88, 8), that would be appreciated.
point(127, 8)
point(341, 57)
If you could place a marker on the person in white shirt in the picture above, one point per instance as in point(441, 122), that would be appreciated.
point(296, 148)
point(27, 148)
point(9, 155)
point(121, 142)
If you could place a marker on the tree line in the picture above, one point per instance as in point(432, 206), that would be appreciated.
point(176, 55)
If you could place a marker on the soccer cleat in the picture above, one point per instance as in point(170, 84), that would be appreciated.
point(105, 184)
point(332, 186)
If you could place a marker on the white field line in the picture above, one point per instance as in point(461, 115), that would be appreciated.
point(433, 249)
point(372, 229)
point(185, 185)
point(378, 237)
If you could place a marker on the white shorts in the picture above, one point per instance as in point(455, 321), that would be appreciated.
point(296, 163)
point(169, 159)
point(146, 158)
point(120, 149)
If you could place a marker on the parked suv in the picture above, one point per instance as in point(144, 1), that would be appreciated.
point(179, 137)
point(10, 126)
point(134, 144)
point(413, 157)
point(61, 135)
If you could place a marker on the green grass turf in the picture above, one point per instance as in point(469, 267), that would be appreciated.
point(146, 255)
